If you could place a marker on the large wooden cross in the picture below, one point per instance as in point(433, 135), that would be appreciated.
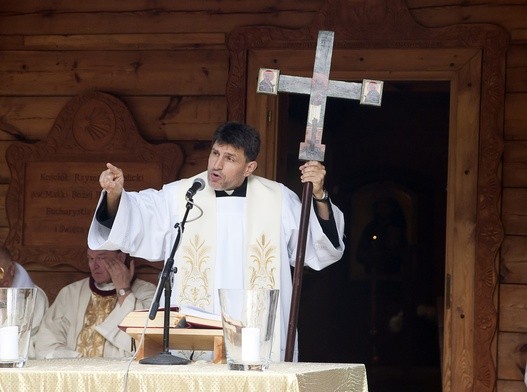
point(319, 87)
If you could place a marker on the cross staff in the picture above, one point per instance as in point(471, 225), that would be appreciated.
point(319, 87)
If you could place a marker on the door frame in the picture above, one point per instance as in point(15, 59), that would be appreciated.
point(380, 40)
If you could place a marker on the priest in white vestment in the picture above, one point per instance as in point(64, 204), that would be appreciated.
point(241, 233)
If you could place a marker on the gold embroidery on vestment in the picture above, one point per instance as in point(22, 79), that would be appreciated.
point(90, 343)
point(262, 272)
point(195, 271)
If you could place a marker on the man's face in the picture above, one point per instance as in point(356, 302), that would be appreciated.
point(228, 167)
point(97, 261)
point(269, 76)
point(7, 273)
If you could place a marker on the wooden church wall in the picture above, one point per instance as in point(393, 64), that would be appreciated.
point(512, 337)
point(167, 61)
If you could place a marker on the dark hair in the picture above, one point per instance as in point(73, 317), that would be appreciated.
point(240, 136)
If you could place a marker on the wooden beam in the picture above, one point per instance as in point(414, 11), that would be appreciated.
point(128, 72)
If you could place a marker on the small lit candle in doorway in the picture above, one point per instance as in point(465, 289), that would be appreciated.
point(250, 344)
point(8, 343)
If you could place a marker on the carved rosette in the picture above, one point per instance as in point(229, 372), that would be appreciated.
point(94, 125)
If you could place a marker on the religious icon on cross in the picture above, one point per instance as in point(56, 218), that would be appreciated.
point(268, 81)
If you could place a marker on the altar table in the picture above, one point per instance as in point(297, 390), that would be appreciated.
point(101, 375)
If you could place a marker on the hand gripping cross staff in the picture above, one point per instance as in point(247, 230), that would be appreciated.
point(319, 87)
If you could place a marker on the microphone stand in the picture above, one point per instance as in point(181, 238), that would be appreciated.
point(165, 282)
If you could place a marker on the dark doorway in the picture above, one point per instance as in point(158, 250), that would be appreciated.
point(381, 305)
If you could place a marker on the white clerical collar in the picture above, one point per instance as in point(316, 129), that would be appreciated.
point(241, 191)
point(105, 286)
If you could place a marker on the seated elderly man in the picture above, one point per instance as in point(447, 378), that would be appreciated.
point(12, 274)
point(84, 318)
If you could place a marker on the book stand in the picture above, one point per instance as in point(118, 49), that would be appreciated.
point(180, 339)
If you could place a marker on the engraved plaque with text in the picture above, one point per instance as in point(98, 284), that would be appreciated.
point(54, 186)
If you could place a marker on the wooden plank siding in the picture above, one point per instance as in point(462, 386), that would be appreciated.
point(159, 118)
point(34, 73)
point(512, 336)
point(167, 60)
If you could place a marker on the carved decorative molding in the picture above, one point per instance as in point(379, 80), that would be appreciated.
point(380, 24)
point(54, 184)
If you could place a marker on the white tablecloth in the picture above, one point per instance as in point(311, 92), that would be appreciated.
point(102, 375)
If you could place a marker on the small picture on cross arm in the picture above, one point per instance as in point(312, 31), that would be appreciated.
point(371, 92)
point(268, 81)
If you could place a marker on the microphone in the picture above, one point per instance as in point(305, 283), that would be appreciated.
point(198, 185)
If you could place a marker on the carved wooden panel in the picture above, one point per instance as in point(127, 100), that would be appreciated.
point(387, 27)
point(55, 187)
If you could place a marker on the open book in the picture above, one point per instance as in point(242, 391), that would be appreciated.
point(199, 318)
point(183, 317)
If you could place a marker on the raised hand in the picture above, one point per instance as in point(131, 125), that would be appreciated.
point(314, 172)
point(112, 181)
point(120, 274)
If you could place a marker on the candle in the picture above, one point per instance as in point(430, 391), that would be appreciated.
point(250, 344)
point(9, 343)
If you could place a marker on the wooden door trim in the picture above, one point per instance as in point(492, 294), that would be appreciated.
point(474, 226)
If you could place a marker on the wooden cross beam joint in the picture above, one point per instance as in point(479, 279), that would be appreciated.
point(319, 87)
